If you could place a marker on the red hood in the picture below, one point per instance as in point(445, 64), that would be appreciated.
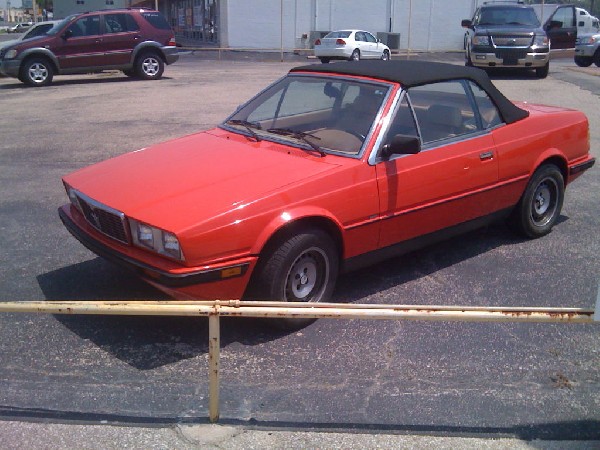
point(180, 183)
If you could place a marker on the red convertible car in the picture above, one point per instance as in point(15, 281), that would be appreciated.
point(330, 168)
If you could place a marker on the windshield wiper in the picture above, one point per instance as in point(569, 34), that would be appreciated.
point(248, 126)
point(301, 135)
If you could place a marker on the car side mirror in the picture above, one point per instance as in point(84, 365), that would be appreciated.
point(331, 91)
point(67, 34)
point(466, 23)
point(402, 144)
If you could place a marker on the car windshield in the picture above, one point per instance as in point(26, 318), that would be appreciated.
point(319, 114)
point(509, 16)
point(339, 34)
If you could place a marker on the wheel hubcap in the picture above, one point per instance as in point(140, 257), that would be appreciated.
point(307, 276)
point(38, 72)
point(150, 66)
point(544, 202)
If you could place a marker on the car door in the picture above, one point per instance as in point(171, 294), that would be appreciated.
point(80, 45)
point(362, 44)
point(121, 35)
point(451, 180)
point(373, 46)
point(561, 28)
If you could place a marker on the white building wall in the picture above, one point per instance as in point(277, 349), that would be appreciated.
point(433, 24)
point(424, 25)
point(64, 8)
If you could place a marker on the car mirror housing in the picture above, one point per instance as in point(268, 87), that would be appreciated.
point(466, 23)
point(67, 34)
point(402, 144)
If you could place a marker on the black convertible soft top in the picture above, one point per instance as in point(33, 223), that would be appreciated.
point(416, 73)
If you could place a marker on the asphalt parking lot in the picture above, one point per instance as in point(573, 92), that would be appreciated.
point(530, 381)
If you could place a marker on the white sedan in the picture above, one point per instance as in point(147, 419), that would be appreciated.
point(350, 45)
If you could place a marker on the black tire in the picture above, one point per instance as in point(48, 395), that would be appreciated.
point(385, 56)
point(355, 56)
point(468, 61)
point(541, 203)
point(325, 60)
point(149, 66)
point(301, 268)
point(597, 57)
point(542, 72)
point(583, 61)
point(36, 72)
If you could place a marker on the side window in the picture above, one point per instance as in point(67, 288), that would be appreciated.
point(403, 121)
point(443, 110)
point(488, 113)
point(565, 16)
point(360, 36)
point(370, 37)
point(86, 26)
point(119, 23)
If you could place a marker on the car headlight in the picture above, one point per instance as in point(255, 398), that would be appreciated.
point(593, 39)
point(540, 40)
point(10, 54)
point(481, 40)
point(155, 239)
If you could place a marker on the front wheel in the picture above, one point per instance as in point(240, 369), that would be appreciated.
point(542, 72)
point(385, 56)
point(302, 268)
point(541, 203)
point(36, 72)
point(597, 58)
point(149, 66)
point(583, 61)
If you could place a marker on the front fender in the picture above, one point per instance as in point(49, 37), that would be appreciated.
point(40, 51)
point(296, 216)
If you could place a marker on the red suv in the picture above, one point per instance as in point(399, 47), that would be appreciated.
point(137, 41)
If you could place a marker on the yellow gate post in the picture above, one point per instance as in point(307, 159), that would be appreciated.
point(214, 354)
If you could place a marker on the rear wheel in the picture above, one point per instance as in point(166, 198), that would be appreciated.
point(325, 60)
point(541, 203)
point(36, 72)
point(301, 268)
point(583, 61)
point(597, 57)
point(149, 66)
point(355, 55)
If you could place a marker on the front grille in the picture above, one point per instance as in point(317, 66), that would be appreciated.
point(512, 41)
point(106, 220)
point(511, 53)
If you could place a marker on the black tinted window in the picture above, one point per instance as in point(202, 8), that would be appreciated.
point(157, 20)
point(86, 26)
point(120, 23)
